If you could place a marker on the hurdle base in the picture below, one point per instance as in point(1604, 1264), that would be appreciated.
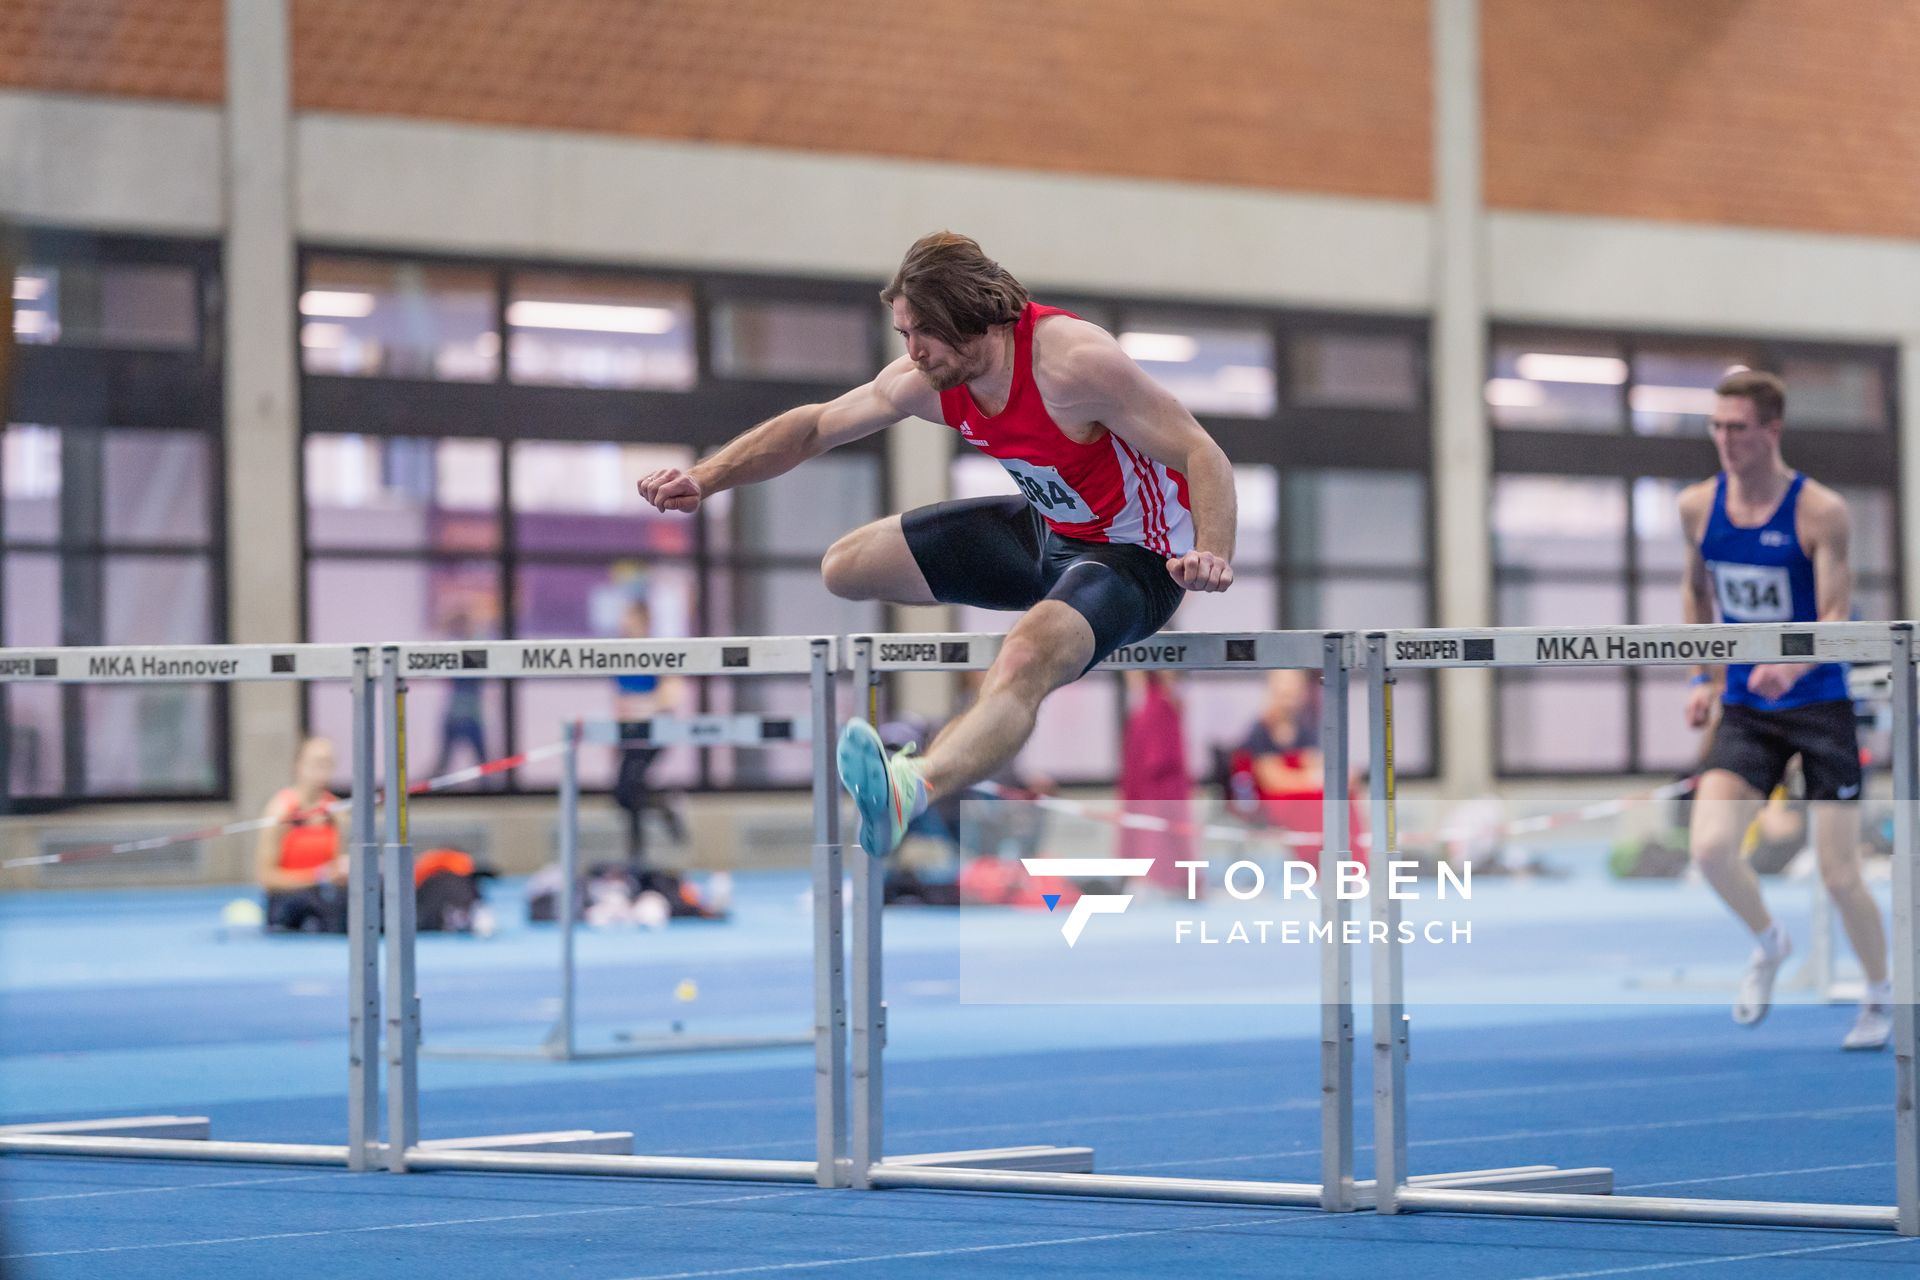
point(1770, 1213)
point(1543, 1178)
point(576, 1141)
point(188, 1128)
point(1037, 1159)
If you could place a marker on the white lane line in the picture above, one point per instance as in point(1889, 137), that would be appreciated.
point(1581, 1131)
point(961, 1250)
point(1252, 1108)
point(400, 1226)
point(1765, 1173)
point(185, 1186)
point(1723, 1259)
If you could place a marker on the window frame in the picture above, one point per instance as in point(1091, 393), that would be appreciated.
point(102, 389)
point(1865, 459)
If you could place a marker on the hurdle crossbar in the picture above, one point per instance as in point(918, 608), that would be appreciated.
point(233, 664)
point(1387, 652)
point(562, 1043)
point(1021, 1169)
point(814, 657)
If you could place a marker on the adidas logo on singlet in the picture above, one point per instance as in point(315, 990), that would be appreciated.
point(1772, 538)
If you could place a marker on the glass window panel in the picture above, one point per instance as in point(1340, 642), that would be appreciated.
point(36, 738)
point(1673, 385)
point(1659, 544)
point(562, 600)
point(803, 512)
point(1560, 604)
point(155, 739)
point(1220, 369)
point(1252, 603)
point(1873, 600)
point(1875, 524)
point(32, 590)
point(361, 600)
point(1657, 601)
point(1835, 393)
point(1357, 519)
point(1556, 384)
point(831, 341)
point(584, 497)
point(1359, 604)
point(1666, 743)
point(974, 475)
point(1076, 737)
point(1552, 722)
point(777, 602)
point(402, 493)
point(151, 306)
point(382, 318)
point(1354, 370)
point(156, 600)
point(1257, 490)
point(580, 330)
point(1559, 522)
point(158, 486)
point(30, 472)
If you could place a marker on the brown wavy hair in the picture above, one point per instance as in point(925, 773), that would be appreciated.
point(1765, 390)
point(956, 291)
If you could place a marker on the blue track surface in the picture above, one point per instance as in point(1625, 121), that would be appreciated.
point(126, 1003)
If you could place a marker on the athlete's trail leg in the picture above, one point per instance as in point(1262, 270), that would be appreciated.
point(1836, 839)
point(1050, 646)
point(1723, 805)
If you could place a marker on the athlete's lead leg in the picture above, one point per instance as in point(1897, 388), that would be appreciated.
point(874, 562)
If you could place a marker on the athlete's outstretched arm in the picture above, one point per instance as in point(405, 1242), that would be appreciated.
point(1832, 575)
point(1101, 383)
point(788, 439)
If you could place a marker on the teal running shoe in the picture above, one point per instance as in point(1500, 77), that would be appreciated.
point(886, 790)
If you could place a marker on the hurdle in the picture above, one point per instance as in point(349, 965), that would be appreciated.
point(814, 657)
point(1044, 1170)
point(232, 664)
point(1388, 652)
point(563, 1043)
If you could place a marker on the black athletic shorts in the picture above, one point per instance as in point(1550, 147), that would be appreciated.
point(1756, 745)
point(997, 553)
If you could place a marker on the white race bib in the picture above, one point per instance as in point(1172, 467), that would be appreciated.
point(1045, 489)
point(1753, 592)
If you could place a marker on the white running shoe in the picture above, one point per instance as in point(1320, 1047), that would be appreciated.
point(1756, 988)
point(1871, 1030)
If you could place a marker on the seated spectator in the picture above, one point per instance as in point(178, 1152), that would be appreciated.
point(297, 860)
point(1278, 765)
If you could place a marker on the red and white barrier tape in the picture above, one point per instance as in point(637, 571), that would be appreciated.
point(1312, 839)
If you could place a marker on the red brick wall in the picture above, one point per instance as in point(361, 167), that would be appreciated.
point(130, 48)
point(1319, 95)
point(1774, 113)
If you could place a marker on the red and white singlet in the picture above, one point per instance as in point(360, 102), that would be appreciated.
point(1103, 491)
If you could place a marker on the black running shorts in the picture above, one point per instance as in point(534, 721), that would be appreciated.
point(997, 553)
point(1756, 745)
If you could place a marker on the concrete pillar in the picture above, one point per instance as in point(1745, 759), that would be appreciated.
point(919, 457)
point(1461, 445)
point(1909, 427)
point(262, 387)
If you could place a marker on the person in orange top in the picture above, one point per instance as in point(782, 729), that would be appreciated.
point(299, 860)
